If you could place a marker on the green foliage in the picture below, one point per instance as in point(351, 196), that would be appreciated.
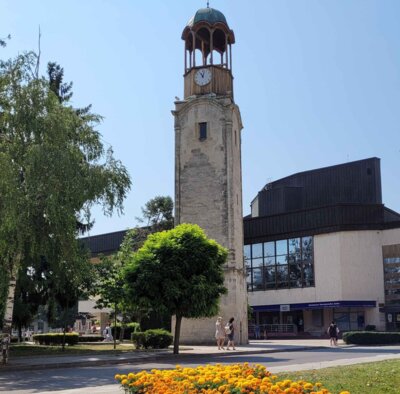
point(90, 338)
point(158, 212)
point(371, 337)
point(138, 339)
point(155, 339)
point(54, 169)
point(3, 42)
point(179, 271)
point(56, 339)
point(128, 329)
point(158, 339)
point(368, 378)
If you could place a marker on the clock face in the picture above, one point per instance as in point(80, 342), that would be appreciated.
point(202, 76)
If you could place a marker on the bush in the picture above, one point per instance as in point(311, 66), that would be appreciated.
point(370, 327)
point(155, 339)
point(371, 337)
point(56, 338)
point(158, 338)
point(90, 338)
point(138, 339)
point(129, 329)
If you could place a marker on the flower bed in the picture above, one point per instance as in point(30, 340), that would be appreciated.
point(215, 379)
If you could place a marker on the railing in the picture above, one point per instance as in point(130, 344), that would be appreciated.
point(263, 331)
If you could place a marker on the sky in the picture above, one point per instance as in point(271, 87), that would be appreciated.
point(317, 83)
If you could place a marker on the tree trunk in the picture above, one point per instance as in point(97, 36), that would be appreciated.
point(115, 325)
point(8, 315)
point(178, 321)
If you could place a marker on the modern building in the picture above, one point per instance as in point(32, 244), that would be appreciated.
point(319, 246)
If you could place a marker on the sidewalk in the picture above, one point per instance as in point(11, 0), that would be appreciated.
point(70, 361)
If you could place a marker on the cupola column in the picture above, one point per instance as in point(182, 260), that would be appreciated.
point(194, 48)
point(211, 46)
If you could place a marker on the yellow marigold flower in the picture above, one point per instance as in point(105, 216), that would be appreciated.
point(308, 386)
point(345, 392)
point(124, 382)
point(117, 376)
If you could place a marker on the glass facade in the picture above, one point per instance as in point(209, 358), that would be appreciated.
point(281, 264)
point(391, 267)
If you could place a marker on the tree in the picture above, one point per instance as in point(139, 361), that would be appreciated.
point(3, 42)
point(159, 213)
point(178, 271)
point(109, 282)
point(53, 168)
point(157, 216)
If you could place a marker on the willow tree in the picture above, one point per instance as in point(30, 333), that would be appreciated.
point(53, 169)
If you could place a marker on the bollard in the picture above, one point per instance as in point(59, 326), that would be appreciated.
point(5, 347)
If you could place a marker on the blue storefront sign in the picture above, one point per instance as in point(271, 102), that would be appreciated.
point(315, 305)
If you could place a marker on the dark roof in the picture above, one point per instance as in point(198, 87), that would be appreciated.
point(320, 220)
point(357, 182)
point(209, 15)
point(104, 243)
point(337, 198)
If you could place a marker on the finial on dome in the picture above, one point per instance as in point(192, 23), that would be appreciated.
point(208, 4)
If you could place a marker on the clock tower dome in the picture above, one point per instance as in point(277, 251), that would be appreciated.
point(208, 175)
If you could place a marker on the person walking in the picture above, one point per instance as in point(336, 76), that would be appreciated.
point(230, 331)
point(333, 332)
point(220, 333)
point(257, 331)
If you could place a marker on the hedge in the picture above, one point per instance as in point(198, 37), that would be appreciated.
point(129, 329)
point(371, 337)
point(91, 338)
point(155, 339)
point(56, 338)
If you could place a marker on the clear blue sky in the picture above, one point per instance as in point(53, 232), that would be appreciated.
point(317, 82)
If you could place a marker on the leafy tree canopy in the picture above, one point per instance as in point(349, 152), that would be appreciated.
point(54, 169)
point(179, 271)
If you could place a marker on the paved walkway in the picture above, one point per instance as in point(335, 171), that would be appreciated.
point(70, 361)
point(138, 357)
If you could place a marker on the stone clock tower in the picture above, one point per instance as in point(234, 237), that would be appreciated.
point(208, 176)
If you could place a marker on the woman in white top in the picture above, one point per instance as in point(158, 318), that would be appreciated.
point(220, 333)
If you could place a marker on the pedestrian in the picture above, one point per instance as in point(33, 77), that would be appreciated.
point(257, 331)
point(230, 331)
point(107, 333)
point(333, 332)
point(220, 333)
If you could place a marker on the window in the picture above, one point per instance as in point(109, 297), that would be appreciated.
point(202, 131)
point(281, 264)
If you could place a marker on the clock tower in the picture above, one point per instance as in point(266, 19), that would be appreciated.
point(208, 175)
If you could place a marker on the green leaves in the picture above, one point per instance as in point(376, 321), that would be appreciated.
point(179, 270)
point(53, 168)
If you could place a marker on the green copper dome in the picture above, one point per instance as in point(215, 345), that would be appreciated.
point(210, 15)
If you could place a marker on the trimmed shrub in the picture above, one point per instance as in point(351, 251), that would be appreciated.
point(371, 337)
point(158, 338)
point(90, 338)
point(155, 339)
point(129, 329)
point(138, 339)
point(56, 339)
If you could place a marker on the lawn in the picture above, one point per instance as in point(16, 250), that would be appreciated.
point(36, 350)
point(370, 378)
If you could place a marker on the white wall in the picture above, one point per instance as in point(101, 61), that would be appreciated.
point(348, 266)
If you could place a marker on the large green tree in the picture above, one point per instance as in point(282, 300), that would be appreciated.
point(53, 168)
point(179, 271)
